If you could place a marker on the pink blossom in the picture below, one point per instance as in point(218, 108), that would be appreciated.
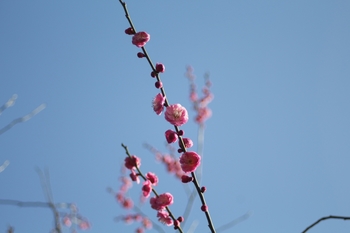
point(140, 39)
point(146, 188)
point(130, 162)
point(126, 184)
point(203, 114)
point(138, 217)
point(128, 219)
point(188, 142)
point(171, 136)
point(158, 103)
point(146, 223)
point(162, 201)
point(164, 217)
point(84, 225)
point(119, 197)
point(152, 178)
point(190, 161)
point(66, 221)
point(176, 114)
point(128, 203)
point(140, 230)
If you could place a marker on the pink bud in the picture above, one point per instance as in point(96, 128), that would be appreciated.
point(129, 31)
point(186, 179)
point(160, 68)
point(203, 189)
point(204, 208)
point(158, 84)
point(180, 219)
point(140, 55)
point(170, 136)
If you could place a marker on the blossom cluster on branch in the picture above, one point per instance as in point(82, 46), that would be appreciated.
point(186, 164)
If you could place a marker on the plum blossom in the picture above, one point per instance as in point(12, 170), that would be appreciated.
point(146, 223)
point(84, 225)
point(162, 201)
point(152, 178)
point(190, 161)
point(140, 39)
point(158, 103)
point(203, 114)
point(127, 203)
point(130, 162)
point(176, 114)
point(171, 136)
point(164, 217)
point(66, 221)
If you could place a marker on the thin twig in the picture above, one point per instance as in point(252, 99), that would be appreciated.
point(234, 222)
point(23, 119)
point(325, 218)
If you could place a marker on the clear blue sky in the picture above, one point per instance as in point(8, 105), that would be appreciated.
point(277, 144)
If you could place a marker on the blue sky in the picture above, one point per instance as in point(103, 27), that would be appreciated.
point(277, 144)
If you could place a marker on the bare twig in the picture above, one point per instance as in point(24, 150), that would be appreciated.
point(9, 103)
point(23, 119)
point(4, 165)
point(325, 218)
point(234, 222)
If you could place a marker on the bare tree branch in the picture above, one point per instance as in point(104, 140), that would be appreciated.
point(325, 218)
point(23, 119)
point(9, 103)
point(234, 222)
point(4, 165)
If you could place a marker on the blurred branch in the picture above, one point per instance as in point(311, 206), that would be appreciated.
point(9, 103)
point(234, 222)
point(10, 229)
point(4, 165)
point(24, 203)
point(22, 119)
point(46, 186)
point(325, 218)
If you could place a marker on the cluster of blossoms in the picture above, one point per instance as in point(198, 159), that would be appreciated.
point(74, 219)
point(175, 114)
point(200, 105)
point(188, 161)
point(126, 202)
point(159, 202)
point(130, 218)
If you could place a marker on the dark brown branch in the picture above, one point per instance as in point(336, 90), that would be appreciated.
point(325, 218)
